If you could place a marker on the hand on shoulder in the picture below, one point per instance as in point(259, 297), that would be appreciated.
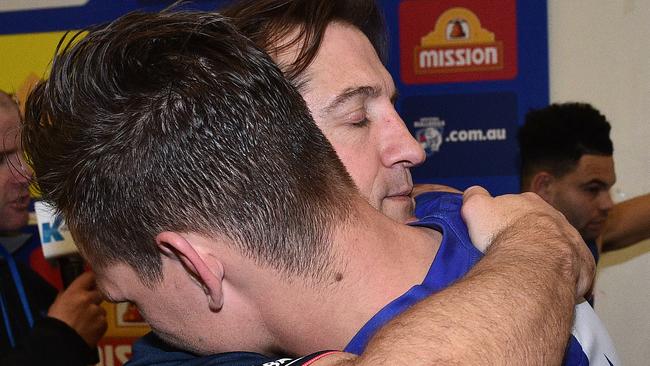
point(418, 189)
point(529, 225)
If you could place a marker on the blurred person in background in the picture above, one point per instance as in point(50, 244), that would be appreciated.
point(567, 159)
point(566, 156)
point(37, 325)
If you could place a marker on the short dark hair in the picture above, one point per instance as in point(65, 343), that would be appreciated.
point(554, 138)
point(269, 22)
point(174, 121)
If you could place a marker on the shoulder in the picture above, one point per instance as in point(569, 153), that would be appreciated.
point(151, 350)
point(436, 203)
point(424, 188)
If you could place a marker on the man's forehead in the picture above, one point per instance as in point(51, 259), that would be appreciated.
point(346, 49)
point(348, 94)
point(597, 168)
point(346, 64)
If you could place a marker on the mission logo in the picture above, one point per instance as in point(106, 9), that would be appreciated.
point(444, 43)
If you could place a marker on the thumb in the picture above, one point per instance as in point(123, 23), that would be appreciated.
point(85, 281)
point(475, 191)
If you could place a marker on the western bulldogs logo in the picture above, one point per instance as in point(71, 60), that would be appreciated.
point(429, 133)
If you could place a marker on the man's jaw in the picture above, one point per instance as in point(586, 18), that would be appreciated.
point(399, 206)
point(594, 229)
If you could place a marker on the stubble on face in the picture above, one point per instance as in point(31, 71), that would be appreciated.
point(582, 195)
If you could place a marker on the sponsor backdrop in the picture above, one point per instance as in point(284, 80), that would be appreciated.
point(467, 72)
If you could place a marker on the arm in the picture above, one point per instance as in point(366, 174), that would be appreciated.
point(422, 188)
point(628, 223)
point(514, 307)
point(70, 333)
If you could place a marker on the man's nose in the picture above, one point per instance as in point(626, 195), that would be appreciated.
point(606, 202)
point(401, 147)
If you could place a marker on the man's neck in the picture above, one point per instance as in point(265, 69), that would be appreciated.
point(377, 260)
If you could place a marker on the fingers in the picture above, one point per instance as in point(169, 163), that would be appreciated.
point(95, 297)
point(83, 289)
point(418, 189)
point(587, 268)
point(536, 221)
point(85, 281)
point(475, 191)
point(478, 212)
point(89, 322)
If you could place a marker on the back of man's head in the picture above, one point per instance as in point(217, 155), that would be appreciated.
point(278, 25)
point(176, 122)
point(555, 137)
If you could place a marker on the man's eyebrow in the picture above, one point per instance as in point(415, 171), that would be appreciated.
point(596, 182)
point(347, 94)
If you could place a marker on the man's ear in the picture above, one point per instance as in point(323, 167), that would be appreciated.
point(209, 274)
point(542, 184)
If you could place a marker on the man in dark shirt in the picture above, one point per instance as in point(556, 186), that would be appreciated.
point(37, 326)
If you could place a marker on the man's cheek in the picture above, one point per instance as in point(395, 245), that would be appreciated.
point(365, 183)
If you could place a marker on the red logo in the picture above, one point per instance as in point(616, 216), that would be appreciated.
point(467, 41)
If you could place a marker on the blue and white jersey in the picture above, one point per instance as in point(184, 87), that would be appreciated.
point(589, 344)
point(151, 350)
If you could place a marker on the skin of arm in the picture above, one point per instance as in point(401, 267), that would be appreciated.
point(628, 223)
point(422, 188)
point(514, 307)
